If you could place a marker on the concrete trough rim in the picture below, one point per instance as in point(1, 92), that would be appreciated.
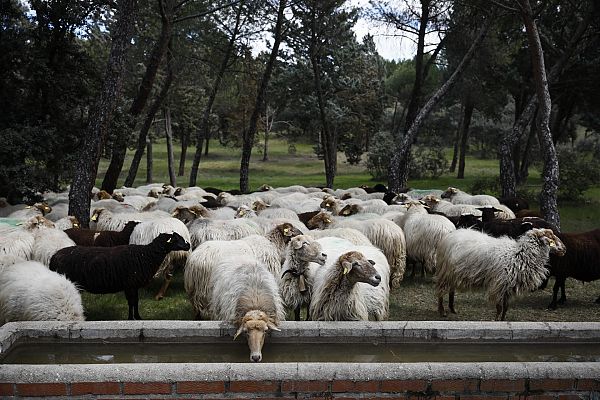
point(400, 330)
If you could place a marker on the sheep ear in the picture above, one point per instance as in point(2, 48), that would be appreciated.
point(347, 267)
point(271, 325)
point(239, 331)
point(372, 262)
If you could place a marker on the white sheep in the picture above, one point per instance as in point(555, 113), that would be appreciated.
point(457, 196)
point(146, 232)
point(31, 211)
point(67, 223)
point(247, 295)
point(383, 233)
point(450, 209)
point(202, 230)
point(105, 220)
point(268, 251)
point(47, 242)
point(31, 292)
point(296, 285)
point(353, 285)
point(352, 235)
point(423, 232)
point(468, 259)
point(16, 242)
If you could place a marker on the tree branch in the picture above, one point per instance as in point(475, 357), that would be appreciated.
point(204, 13)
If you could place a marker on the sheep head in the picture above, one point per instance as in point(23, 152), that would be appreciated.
point(402, 198)
point(548, 238)
point(357, 268)
point(346, 196)
point(244, 211)
point(74, 222)
point(319, 221)
point(451, 191)
point(172, 241)
point(431, 200)
point(96, 214)
point(350, 209)
point(188, 214)
point(43, 207)
point(265, 188)
point(308, 249)
point(260, 205)
point(37, 222)
point(178, 191)
point(287, 231)
point(103, 195)
point(255, 324)
point(154, 192)
point(118, 196)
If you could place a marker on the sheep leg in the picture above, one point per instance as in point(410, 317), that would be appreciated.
point(504, 307)
point(498, 311)
point(441, 310)
point(563, 296)
point(133, 301)
point(552, 305)
point(451, 302)
point(598, 300)
point(297, 313)
point(164, 287)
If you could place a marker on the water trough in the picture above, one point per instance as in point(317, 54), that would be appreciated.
point(351, 360)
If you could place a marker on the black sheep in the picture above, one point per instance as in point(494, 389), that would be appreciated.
point(91, 237)
point(307, 216)
point(113, 269)
point(581, 262)
point(514, 203)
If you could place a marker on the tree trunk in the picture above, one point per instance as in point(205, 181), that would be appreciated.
point(137, 157)
point(266, 144)
point(469, 106)
point(457, 139)
point(548, 201)
point(149, 159)
point(250, 132)
point(139, 102)
point(184, 145)
point(398, 169)
point(170, 156)
point(206, 143)
point(524, 165)
point(86, 166)
point(415, 96)
point(507, 171)
point(202, 132)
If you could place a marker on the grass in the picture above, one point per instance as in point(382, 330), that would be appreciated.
point(415, 299)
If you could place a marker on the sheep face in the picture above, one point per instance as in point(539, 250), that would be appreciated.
point(350, 209)
point(179, 191)
point(319, 221)
point(96, 214)
point(307, 249)
point(118, 196)
point(74, 222)
point(402, 198)
point(259, 205)
point(189, 214)
point(154, 193)
point(549, 239)
point(451, 191)
point(37, 222)
point(288, 231)
point(255, 325)
point(359, 269)
point(265, 188)
point(430, 200)
point(328, 203)
point(173, 241)
point(244, 211)
point(346, 196)
point(103, 195)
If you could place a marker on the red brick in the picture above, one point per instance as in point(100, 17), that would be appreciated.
point(454, 385)
point(254, 386)
point(304, 386)
point(482, 397)
point(502, 385)
point(541, 397)
point(569, 397)
point(588, 384)
point(551, 384)
point(7, 389)
point(441, 397)
point(147, 388)
point(414, 385)
point(42, 389)
point(201, 387)
point(95, 388)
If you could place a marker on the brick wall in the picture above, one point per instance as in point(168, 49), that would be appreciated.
point(489, 389)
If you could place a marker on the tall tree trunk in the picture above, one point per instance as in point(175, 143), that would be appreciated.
point(185, 137)
point(160, 48)
point(206, 143)
point(548, 201)
point(267, 131)
point(507, 171)
point(416, 94)
point(398, 169)
point(101, 114)
point(202, 132)
point(154, 107)
point(149, 159)
point(469, 106)
point(457, 139)
point(170, 156)
point(250, 132)
point(523, 166)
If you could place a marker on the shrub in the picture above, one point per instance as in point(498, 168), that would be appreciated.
point(380, 152)
point(577, 173)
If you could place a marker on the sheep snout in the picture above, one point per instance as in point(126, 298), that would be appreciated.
point(375, 280)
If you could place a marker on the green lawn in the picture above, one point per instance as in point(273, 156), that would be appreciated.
point(414, 299)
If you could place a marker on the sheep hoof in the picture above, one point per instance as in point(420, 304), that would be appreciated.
point(597, 300)
point(158, 297)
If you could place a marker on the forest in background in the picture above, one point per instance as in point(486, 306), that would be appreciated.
point(516, 80)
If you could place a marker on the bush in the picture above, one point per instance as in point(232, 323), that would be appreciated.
point(577, 173)
point(489, 185)
point(425, 162)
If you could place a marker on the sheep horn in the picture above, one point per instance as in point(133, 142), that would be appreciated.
point(271, 325)
point(239, 331)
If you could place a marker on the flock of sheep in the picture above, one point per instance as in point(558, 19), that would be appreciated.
point(252, 259)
